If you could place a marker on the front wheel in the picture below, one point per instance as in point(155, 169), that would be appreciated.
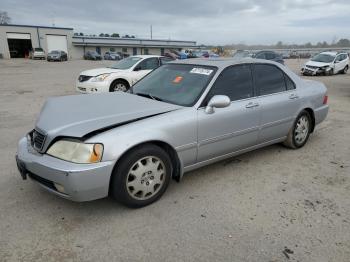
point(300, 131)
point(142, 176)
point(119, 85)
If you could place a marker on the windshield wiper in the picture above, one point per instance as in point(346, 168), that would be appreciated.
point(149, 96)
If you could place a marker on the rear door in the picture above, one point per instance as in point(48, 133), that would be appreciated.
point(279, 101)
point(232, 128)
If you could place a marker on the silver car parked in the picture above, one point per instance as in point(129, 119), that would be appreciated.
point(182, 116)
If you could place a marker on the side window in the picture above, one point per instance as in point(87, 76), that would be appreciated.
point(260, 56)
point(149, 64)
point(289, 83)
point(165, 60)
point(270, 55)
point(234, 82)
point(269, 79)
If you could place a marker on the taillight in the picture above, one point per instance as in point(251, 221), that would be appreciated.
point(325, 100)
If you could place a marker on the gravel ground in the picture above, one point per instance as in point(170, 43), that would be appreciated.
point(272, 204)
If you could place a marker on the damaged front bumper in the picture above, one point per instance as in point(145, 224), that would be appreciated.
point(313, 71)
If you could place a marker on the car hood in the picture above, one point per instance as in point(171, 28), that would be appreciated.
point(80, 115)
point(100, 71)
point(318, 64)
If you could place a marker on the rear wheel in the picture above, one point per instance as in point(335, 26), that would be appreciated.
point(119, 85)
point(345, 70)
point(142, 176)
point(300, 131)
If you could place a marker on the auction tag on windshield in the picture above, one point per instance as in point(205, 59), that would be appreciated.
point(177, 80)
point(202, 71)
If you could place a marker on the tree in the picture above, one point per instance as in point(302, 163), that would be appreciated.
point(4, 18)
point(343, 43)
point(115, 35)
point(76, 34)
point(106, 35)
point(81, 34)
point(279, 44)
point(101, 35)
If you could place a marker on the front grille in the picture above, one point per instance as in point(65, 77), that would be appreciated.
point(312, 67)
point(83, 78)
point(38, 140)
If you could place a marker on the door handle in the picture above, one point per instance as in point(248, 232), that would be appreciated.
point(293, 96)
point(252, 105)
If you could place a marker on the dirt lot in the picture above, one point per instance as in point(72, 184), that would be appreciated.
point(266, 205)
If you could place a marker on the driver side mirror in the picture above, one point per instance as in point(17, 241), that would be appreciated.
point(138, 68)
point(218, 101)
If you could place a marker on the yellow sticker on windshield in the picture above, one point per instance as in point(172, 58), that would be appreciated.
point(177, 79)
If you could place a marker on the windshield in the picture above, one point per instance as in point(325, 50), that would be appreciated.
point(38, 49)
point(126, 63)
point(323, 58)
point(175, 83)
point(54, 52)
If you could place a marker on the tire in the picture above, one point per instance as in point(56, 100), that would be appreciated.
point(299, 133)
point(119, 85)
point(137, 187)
point(345, 70)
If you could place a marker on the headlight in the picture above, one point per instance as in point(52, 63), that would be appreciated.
point(100, 78)
point(76, 152)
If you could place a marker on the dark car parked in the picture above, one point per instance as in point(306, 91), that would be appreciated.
point(267, 55)
point(92, 55)
point(57, 55)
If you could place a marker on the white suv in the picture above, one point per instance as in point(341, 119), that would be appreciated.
point(327, 63)
point(37, 53)
point(120, 76)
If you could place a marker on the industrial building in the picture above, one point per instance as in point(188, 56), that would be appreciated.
point(16, 41)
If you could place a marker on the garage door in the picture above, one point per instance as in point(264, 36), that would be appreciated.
point(56, 42)
point(17, 36)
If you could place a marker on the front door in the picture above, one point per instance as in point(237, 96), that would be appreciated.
point(144, 67)
point(134, 51)
point(232, 128)
point(98, 50)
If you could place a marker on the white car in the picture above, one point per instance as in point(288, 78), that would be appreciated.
point(327, 63)
point(37, 53)
point(120, 76)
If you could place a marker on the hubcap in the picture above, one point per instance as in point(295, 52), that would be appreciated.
point(145, 178)
point(120, 87)
point(301, 130)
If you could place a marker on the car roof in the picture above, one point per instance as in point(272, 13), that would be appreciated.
point(145, 56)
point(221, 62)
point(330, 53)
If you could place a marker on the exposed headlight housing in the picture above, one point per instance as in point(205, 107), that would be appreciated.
point(76, 152)
point(100, 78)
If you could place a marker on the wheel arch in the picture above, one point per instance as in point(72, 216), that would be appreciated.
point(312, 115)
point(174, 158)
point(124, 79)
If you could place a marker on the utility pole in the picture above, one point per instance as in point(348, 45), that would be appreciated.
point(151, 32)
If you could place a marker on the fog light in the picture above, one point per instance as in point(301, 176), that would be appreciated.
point(59, 188)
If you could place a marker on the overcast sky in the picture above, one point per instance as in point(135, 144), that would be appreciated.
point(207, 22)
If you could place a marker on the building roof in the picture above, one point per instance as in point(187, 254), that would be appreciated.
point(37, 26)
point(116, 41)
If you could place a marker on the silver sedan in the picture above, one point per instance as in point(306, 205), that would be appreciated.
point(182, 116)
